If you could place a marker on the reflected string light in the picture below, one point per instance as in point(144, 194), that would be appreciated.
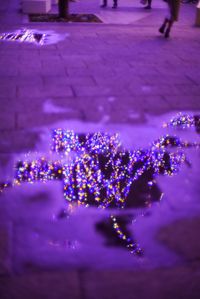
point(33, 36)
point(102, 171)
point(185, 121)
point(133, 246)
point(25, 35)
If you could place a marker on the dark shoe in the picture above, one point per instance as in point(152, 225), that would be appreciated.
point(147, 7)
point(103, 5)
point(167, 33)
point(162, 29)
point(114, 6)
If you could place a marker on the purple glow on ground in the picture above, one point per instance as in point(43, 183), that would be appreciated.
point(71, 240)
point(33, 36)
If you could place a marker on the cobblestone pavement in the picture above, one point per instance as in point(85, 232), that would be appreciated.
point(121, 77)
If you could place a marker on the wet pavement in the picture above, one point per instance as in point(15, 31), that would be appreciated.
point(121, 77)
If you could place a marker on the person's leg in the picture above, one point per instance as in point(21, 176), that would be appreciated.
point(104, 3)
point(148, 4)
point(162, 28)
point(114, 4)
point(170, 23)
point(174, 6)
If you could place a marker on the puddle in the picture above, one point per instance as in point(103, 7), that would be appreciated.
point(33, 36)
point(96, 170)
point(116, 232)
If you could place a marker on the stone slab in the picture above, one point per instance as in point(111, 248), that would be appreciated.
point(182, 237)
point(45, 285)
point(5, 248)
point(177, 282)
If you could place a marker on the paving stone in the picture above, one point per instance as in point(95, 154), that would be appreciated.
point(94, 108)
point(184, 102)
point(66, 80)
point(91, 91)
point(30, 69)
point(87, 58)
point(49, 48)
point(189, 89)
point(102, 70)
point(47, 105)
point(44, 92)
point(182, 237)
point(176, 282)
point(28, 54)
point(28, 62)
point(55, 69)
point(20, 80)
point(6, 168)
point(124, 79)
point(5, 248)
point(55, 90)
point(7, 121)
point(77, 71)
point(8, 103)
point(73, 62)
point(27, 104)
point(7, 91)
point(15, 141)
point(176, 80)
point(7, 58)
point(10, 46)
point(44, 285)
point(29, 120)
point(9, 70)
point(156, 104)
point(155, 90)
point(126, 110)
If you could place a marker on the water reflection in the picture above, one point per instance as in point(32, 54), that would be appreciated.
point(24, 35)
point(96, 170)
point(37, 37)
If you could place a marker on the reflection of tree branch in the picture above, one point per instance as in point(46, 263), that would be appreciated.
point(106, 175)
point(117, 233)
point(197, 123)
point(125, 236)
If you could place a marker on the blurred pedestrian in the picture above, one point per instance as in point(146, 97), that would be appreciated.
point(174, 7)
point(105, 4)
point(147, 3)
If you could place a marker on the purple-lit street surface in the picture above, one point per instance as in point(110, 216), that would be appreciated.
point(99, 154)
